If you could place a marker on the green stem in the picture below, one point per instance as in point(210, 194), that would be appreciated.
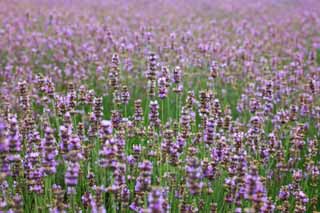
point(162, 110)
point(125, 111)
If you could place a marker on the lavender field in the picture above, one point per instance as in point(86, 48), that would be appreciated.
point(160, 106)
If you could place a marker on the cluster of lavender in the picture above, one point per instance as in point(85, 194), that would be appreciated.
point(226, 117)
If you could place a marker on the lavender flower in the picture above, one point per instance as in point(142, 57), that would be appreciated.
point(71, 176)
point(157, 201)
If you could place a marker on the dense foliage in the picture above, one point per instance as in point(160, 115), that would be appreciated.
point(159, 106)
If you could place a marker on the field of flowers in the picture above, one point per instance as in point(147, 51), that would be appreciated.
point(160, 106)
